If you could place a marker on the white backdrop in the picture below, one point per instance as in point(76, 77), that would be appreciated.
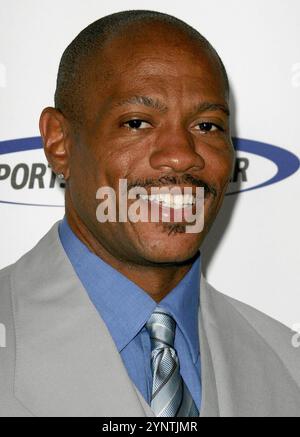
point(252, 252)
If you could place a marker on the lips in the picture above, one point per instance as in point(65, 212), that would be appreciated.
point(174, 207)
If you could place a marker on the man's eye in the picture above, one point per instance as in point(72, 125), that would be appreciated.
point(137, 124)
point(209, 127)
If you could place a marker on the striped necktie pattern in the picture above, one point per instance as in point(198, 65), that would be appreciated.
point(170, 395)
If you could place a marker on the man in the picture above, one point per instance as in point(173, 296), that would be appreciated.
point(111, 317)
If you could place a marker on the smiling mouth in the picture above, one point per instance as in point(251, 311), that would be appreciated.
point(168, 200)
point(175, 201)
point(181, 205)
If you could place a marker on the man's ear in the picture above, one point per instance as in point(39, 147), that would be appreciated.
point(56, 138)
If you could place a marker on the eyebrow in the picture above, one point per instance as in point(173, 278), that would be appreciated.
point(145, 101)
point(209, 106)
point(158, 105)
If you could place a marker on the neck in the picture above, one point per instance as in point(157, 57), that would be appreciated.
point(156, 280)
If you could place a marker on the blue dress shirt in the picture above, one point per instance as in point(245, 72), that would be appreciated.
point(125, 308)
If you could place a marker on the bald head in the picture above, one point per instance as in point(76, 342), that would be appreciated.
point(94, 42)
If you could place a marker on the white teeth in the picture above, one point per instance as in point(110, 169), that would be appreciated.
point(176, 201)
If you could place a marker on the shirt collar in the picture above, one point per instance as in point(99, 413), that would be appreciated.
point(123, 305)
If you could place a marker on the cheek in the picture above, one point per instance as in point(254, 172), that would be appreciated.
point(219, 167)
point(226, 167)
point(84, 178)
point(111, 169)
point(124, 163)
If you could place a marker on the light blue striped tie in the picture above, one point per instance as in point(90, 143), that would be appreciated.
point(170, 395)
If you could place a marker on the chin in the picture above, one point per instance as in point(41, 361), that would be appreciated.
point(171, 245)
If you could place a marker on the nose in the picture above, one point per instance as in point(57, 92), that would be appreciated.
point(175, 151)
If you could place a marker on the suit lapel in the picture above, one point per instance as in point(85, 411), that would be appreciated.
point(242, 375)
point(66, 361)
point(209, 401)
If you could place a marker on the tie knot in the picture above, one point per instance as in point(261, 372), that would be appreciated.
point(161, 327)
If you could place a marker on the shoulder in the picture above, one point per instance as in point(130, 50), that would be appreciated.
point(19, 279)
point(250, 323)
point(5, 273)
point(5, 287)
point(256, 318)
point(27, 268)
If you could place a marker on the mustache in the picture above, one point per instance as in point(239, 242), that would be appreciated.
point(167, 180)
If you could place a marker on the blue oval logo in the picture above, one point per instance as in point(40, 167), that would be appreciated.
point(286, 163)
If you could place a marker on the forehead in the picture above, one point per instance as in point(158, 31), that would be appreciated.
point(154, 62)
point(143, 49)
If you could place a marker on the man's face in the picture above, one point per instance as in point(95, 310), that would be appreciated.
point(154, 115)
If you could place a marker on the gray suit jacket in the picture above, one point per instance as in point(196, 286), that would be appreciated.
point(60, 359)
